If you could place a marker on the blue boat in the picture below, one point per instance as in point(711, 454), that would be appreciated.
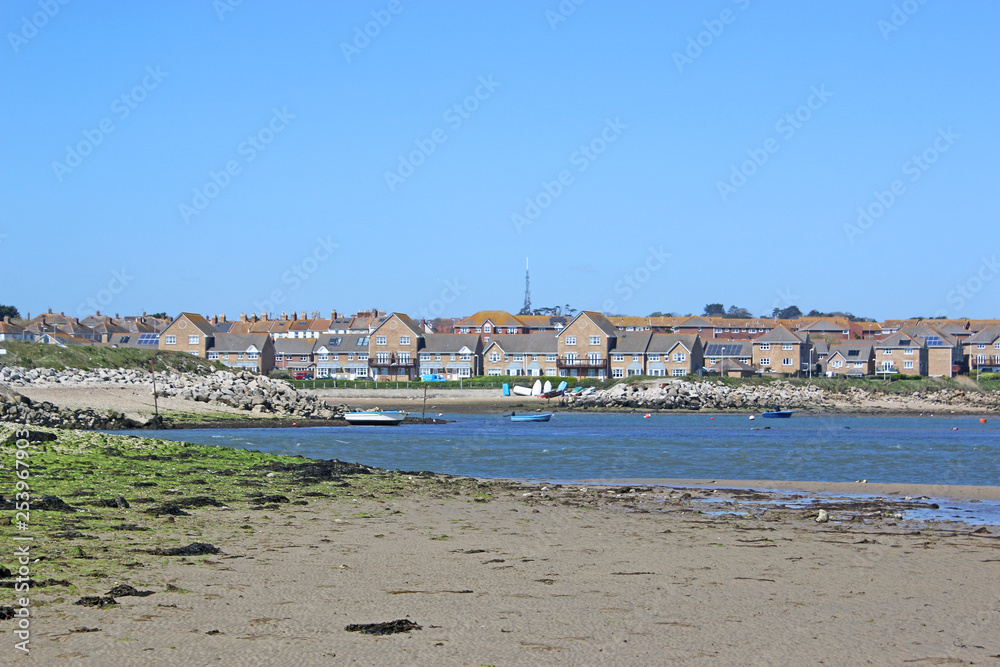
point(537, 417)
point(778, 414)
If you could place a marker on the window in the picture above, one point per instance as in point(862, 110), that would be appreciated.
point(225, 356)
point(654, 357)
point(170, 340)
point(907, 364)
point(617, 357)
point(380, 340)
point(362, 356)
point(437, 356)
point(765, 362)
point(980, 359)
point(361, 372)
point(764, 347)
point(425, 357)
point(350, 356)
point(193, 340)
point(518, 357)
point(193, 353)
point(404, 358)
point(381, 357)
point(465, 357)
point(493, 371)
point(571, 340)
point(787, 346)
point(679, 372)
point(593, 358)
point(550, 357)
point(213, 355)
point(404, 340)
point(494, 356)
point(888, 352)
point(239, 355)
point(636, 357)
point(908, 350)
point(836, 364)
point(787, 361)
point(324, 357)
point(679, 356)
point(616, 373)
point(996, 345)
point(595, 340)
point(253, 355)
point(487, 328)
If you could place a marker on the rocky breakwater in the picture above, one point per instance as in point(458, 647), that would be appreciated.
point(20, 409)
point(247, 391)
point(241, 390)
point(683, 395)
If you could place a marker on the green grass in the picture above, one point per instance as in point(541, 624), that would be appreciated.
point(40, 355)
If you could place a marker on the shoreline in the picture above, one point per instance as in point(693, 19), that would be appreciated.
point(492, 571)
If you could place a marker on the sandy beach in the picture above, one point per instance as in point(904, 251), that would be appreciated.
point(516, 573)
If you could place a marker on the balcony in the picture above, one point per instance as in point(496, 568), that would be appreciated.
point(584, 362)
point(393, 362)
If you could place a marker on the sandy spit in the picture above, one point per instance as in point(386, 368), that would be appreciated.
point(536, 575)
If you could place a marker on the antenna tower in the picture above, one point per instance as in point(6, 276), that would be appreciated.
point(526, 308)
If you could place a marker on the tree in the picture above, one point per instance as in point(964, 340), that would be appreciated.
point(159, 316)
point(715, 310)
point(789, 313)
point(11, 311)
point(739, 313)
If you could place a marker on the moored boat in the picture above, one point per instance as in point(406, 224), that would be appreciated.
point(777, 414)
point(375, 417)
point(535, 417)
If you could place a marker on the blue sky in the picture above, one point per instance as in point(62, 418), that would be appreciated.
point(225, 157)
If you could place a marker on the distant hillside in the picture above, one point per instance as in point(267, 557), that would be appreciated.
point(39, 355)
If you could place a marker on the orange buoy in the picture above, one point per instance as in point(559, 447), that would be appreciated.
point(711, 417)
point(954, 428)
point(646, 416)
point(982, 420)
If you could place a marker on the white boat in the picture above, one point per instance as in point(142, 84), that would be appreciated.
point(375, 418)
point(520, 391)
point(536, 389)
point(547, 387)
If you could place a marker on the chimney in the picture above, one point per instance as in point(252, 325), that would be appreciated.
point(6, 318)
point(243, 317)
point(222, 318)
point(333, 314)
point(50, 311)
point(263, 316)
point(98, 312)
point(284, 316)
point(215, 319)
point(303, 315)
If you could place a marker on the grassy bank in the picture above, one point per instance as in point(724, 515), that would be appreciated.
point(86, 357)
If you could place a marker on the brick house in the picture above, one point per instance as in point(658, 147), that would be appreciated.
point(189, 332)
point(295, 354)
point(716, 351)
point(393, 348)
point(901, 353)
point(490, 322)
point(983, 350)
point(11, 331)
point(629, 356)
point(584, 346)
point(342, 356)
point(518, 354)
point(455, 356)
point(248, 352)
point(675, 355)
point(851, 359)
point(781, 350)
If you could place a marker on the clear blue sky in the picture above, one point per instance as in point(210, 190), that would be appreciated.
point(828, 101)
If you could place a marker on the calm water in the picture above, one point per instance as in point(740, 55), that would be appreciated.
point(588, 446)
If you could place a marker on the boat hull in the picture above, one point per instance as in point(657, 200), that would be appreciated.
point(544, 417)
point(389, 418)
point(778, 414)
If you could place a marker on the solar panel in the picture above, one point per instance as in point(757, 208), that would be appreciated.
point(934, 341)
point(853, 353)
point(335, 341)
point(148, 339)
point(124, 339)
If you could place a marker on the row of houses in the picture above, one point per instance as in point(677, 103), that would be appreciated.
point(495, 343)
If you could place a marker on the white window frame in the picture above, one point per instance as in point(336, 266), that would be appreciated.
point(193, 339)
point(404, 340)
point(764, 347)
point(170, 340)
point(595, 340)
point(617, 357)
point(571, 340)
point(908, 363)
point(765, 361)
point(617, 373)
point(787, 346)
point(213, 355)
point(787, 361)
point(381, 340)
point(678, 372)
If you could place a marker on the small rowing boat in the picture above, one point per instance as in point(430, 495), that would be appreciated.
point(537, 417)
point(777, 414)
